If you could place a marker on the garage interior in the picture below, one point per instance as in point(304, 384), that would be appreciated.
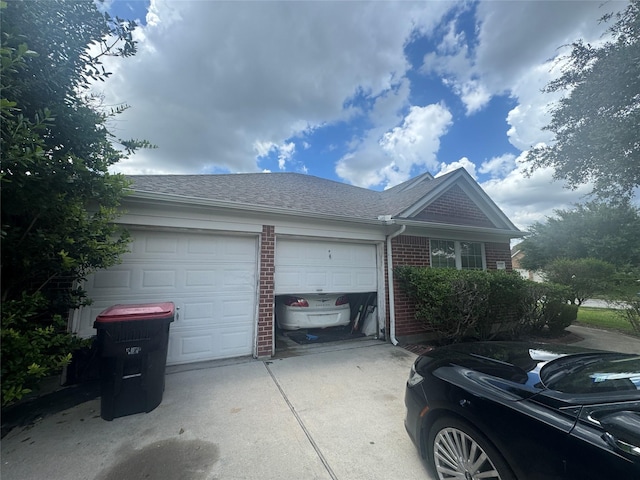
point(363, 324)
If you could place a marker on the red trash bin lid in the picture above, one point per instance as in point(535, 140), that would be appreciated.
point(141, 311)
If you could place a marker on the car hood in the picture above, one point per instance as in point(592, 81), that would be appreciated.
point(518, 362)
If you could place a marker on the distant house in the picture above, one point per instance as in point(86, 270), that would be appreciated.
point(516, 257)
point(223, 247)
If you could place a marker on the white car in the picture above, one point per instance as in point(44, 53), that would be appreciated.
point(319, 310)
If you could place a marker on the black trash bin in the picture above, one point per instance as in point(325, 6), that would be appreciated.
point(132, 344)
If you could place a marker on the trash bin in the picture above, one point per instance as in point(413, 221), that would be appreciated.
point(132, 345)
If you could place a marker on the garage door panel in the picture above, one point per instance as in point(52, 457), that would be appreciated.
point(222, 310)
point(154, 279)
point(232, 342)
point(179, 278)
point(305, 266)
point(197, 345)
point(111, 279)
point(221, 248)
point(210, 278)
point(163, 245)
point(366, 280)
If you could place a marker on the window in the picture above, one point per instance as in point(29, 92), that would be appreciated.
point(443, 254)
point(471, 256)
point(455, 254)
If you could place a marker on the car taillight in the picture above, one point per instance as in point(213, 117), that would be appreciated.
point(296, 302)
point(342, 300)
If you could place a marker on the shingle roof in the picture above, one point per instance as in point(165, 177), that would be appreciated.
point(294, 191)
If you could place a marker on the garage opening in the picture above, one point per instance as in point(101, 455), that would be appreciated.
point(325, 291)
point(308, 319)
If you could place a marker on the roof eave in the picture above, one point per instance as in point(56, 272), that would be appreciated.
point(512, 233)
point(229, 205)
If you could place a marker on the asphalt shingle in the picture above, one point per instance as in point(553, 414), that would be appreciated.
point(293, 191)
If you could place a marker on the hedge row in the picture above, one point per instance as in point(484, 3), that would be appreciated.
point(459, 304)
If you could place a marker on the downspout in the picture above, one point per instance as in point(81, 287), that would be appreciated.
point(392, 306)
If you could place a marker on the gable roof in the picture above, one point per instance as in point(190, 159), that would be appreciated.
point(308, 195)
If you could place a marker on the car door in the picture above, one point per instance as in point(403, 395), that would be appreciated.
point(592, 452)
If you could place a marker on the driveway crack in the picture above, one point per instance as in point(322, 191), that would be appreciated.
point(301, 423)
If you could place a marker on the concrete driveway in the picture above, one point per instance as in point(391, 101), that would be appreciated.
point(333, 413)
point(605, 339)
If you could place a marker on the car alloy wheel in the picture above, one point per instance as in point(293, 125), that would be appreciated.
point(459, 452)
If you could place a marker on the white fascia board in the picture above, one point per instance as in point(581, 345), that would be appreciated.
point(316, 231)
point(461, 232)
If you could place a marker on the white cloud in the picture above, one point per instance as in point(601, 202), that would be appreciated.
point(284, 152)
point(516, 53)
point(388, 156)
point(513, 53)
point(499, 167)
point(464, 162)
point(417, 140)
point(529, 199)
point(213, 79)
point(473, 94)
point(224, 86)
point(453, 62)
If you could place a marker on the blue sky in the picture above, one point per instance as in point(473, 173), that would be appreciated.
point(365, 93)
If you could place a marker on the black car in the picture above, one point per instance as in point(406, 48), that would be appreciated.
point(507, 410)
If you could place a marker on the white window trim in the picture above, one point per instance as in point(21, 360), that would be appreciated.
point(458, 252)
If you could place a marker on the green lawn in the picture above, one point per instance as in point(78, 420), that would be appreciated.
point(603, 318)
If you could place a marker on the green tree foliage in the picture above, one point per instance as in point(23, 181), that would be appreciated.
point(596, 124)
point(603, 230)
point(58, 199)
point(584, 277)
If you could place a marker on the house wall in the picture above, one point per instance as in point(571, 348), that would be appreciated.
point(498, 252)
point(455, 207)
point(414, 251)
point(407, 251)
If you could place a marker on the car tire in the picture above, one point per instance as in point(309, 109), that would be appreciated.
point(455, 449)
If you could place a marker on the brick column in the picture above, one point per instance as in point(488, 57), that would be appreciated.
point(266, 298)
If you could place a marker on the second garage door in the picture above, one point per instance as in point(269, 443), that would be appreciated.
point(210, 278)
point(306, 266)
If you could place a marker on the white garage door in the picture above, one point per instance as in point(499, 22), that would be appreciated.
point(210, 278)
point(304, 266)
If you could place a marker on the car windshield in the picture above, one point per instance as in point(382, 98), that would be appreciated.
point(591, 373)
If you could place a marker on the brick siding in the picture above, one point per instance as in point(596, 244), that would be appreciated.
point(411, 251)
point(266, 297)
point(414, 251)
point(498, 252)
point(455, 207)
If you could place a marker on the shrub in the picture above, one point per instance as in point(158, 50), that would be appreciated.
point(542, 303)
point(33, 346)
point(450, 302)
point(559, 316)
point(504, 316)
point(629, 309)
point(484, 305)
